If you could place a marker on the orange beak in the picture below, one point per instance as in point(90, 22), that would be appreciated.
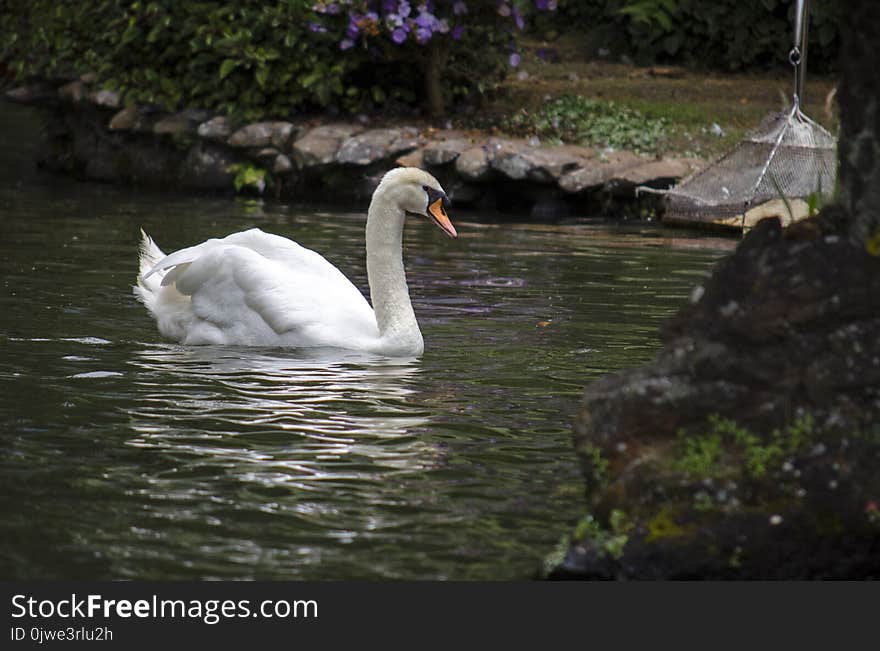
point(438, 214)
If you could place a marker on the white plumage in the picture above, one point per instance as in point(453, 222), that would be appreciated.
point(257, 289)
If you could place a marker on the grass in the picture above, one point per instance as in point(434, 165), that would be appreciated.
point(688, 103)
point(599, 123)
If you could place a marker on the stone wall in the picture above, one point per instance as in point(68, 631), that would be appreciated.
point(92, 135)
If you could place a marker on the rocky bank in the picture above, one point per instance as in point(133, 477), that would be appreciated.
point(91, 134)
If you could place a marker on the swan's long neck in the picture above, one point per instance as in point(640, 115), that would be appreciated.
point(388, 291)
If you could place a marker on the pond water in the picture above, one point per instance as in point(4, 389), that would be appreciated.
point(126, 456)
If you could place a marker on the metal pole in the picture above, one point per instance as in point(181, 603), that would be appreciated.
point(798, 56)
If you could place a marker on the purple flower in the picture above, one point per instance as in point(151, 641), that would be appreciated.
point(352, 30)
point(332, 8)
point(518, 19)
point(457, 32)
point(399, 35)
point(346, 44)
point(426, 21)
point(514, 60)
point(317, 27)
point(459, 8)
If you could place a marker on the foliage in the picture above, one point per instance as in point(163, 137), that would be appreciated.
point(440, 49)
point(699, 454)
point(572, 118)
point(709, 454)
point(252, 59)
point(726, 34)
point(245, 58)
point(248, 176)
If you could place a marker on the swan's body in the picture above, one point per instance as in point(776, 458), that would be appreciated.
point(256, 289)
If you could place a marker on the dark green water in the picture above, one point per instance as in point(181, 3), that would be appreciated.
point(124, 456)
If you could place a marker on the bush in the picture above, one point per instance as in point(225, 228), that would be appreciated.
point(245, 58)
point(725, 34)
point(253, 59)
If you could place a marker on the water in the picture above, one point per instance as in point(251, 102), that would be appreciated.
point(125, 456)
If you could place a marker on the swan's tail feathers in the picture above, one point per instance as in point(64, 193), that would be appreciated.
point(146, 289)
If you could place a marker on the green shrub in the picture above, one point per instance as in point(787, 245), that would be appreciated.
point(251, 58)
point(247, 57)
point(725, 34)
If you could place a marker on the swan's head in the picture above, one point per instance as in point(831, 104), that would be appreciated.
point(417, 192)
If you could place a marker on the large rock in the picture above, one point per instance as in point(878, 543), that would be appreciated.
point(182, 123)
point(133, 118)
point(474, 164)
point(105, 98)
point(29, 93)
point(443, 152)
point(749, 447)
point(509, 157)
point(377, 145)
point(263, 134)
point(599, 171)
point(519, 160)
point(661, 173)
point(319, 146)
point(217, 129)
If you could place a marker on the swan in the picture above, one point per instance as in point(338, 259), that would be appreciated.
point(258, 289)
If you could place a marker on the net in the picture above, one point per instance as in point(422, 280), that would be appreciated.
point(788, 155)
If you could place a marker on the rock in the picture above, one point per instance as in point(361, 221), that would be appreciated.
point(261, 134)
point(132, 118)
point(217, 129)
point(282, 135)
point(74, 92)
point(510, 158)
point(443, 152)
point(794, 211)
point(319, 146)
point(541, 164)
point(412, 159)
point(264, 155)
point(29, 93)
point(748, 447)
point(474, 164)
point(656, 174)
point(282, 165)
point(376, 145)
point(105, 98)
point(207, 167)
point(181, 123)
point(598, 172)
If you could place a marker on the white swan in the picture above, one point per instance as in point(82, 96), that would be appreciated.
point(256, 289)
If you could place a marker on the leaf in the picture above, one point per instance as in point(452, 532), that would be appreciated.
point(262, 75)
point(227, 67)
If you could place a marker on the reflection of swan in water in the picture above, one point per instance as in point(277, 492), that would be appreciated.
point(280, 417)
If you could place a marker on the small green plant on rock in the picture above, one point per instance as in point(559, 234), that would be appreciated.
point(250, 176)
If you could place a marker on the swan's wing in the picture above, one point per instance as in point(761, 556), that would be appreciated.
point(253, 287)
